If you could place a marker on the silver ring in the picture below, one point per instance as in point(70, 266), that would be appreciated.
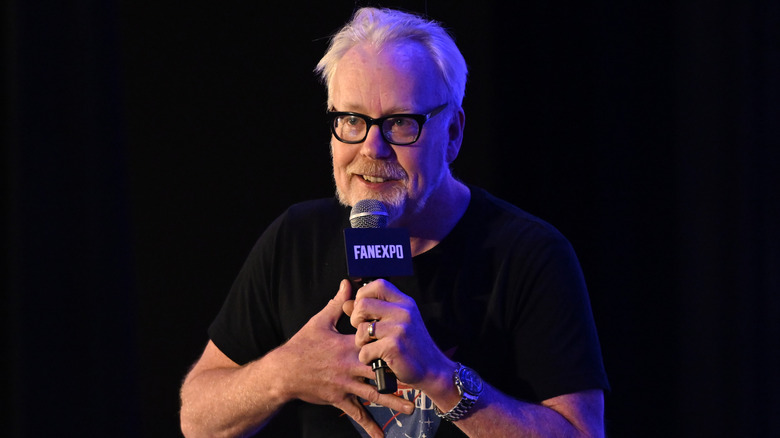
point(372, 331)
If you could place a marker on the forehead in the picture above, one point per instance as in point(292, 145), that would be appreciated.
point(396, 75)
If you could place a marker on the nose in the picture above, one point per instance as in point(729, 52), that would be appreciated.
point(375, 146)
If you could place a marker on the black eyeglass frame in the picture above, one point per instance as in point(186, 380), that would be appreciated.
point(419, 118)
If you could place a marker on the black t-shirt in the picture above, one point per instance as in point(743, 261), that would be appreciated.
point(503, 290)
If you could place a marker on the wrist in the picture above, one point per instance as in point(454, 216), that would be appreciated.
point(439, 386)
point(469, 386)
point(280, 389)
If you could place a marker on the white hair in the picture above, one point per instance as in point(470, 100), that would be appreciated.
point(379, 27)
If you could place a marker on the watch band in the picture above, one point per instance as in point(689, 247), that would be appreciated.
point(467, 400)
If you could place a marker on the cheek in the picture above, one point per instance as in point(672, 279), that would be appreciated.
point(341, 159)
point(339, 156)
point(423, 167)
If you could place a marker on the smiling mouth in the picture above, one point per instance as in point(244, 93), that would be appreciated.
point(374, 179)
point(376, 172)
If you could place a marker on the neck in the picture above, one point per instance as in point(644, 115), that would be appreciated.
point(439, 216)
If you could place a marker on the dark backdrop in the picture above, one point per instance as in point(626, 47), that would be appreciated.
point(148, 144)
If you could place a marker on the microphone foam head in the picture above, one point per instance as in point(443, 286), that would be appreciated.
point(368, 213)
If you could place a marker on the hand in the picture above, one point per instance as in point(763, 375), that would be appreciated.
point(327, 369)
point(402, 340)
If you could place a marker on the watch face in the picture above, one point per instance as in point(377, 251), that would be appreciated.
point(470, 380)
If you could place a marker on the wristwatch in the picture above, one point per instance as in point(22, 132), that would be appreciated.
point(469, 386)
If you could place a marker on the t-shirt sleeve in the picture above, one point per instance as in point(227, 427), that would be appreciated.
point(247, 326)
point(554, 320)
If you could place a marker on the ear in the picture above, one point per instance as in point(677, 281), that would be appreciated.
point(455, 130)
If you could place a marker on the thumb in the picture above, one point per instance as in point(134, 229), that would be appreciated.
point(333, 309)
point(344, 293)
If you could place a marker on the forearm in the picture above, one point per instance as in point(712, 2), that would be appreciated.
point(231, 401)
point(497, 414)
point(578, 414)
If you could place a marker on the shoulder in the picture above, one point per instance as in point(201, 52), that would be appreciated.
point(312, 214)
point(301, 226)
point(315, 210)
point(508, 222)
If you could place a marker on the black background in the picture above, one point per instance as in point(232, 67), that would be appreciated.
point(147, 144)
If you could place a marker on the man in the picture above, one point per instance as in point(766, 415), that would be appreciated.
point(495, 289)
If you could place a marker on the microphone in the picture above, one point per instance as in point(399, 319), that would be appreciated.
point(368, 213)
point(375, 251)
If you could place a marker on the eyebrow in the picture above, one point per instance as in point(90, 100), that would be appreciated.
point(359, 110)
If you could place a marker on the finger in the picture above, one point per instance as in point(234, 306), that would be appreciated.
point(391, 401)
point(370, 309)
point(396, 403)
point(369, 393)
point(376, 350)
point(362, 336)
point(332, 311)
point(345, 291)
point(348, 307)
point(381, 289)
point(364, 371)
point(357, 412)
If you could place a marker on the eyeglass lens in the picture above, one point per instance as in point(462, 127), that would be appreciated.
point(350, 128)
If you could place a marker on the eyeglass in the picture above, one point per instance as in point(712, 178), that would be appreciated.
point(397, 129)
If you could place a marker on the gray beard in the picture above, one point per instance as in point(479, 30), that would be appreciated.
point(395, 202)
